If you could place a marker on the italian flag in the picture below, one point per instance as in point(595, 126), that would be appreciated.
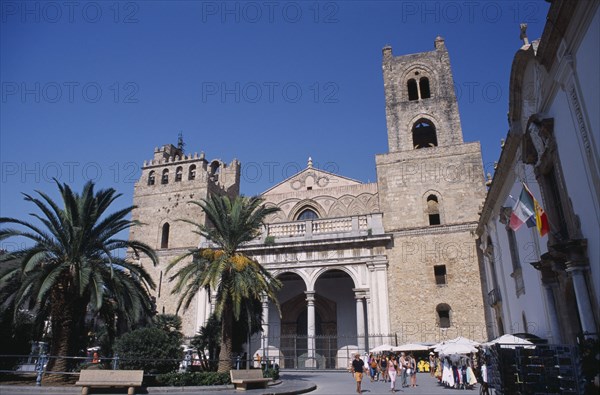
point(528, 211)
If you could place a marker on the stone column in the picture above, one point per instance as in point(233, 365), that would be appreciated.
point(360, 319)
point(311, 362)
point(383, 321)
point(584, 307)
point(550, 285)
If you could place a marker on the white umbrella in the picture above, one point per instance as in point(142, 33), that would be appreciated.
point(457, 340)
point(411, 347)
point(456, 348)
point(382, 348)
point(510, 341)
point(463, 340)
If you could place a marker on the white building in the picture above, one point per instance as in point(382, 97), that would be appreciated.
point(549, 286)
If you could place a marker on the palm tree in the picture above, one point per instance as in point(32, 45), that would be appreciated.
point(236, 277)
point(73, 268)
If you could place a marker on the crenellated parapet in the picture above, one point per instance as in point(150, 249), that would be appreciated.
point(172, 166)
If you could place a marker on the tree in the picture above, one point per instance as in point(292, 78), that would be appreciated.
point(237, 279)
point(73, 267)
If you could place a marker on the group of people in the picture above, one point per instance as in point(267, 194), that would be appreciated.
point(386, 368)
point(455, 373)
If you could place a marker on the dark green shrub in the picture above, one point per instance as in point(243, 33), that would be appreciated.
point(151, 349)
point(176, 379)
point(272, 372)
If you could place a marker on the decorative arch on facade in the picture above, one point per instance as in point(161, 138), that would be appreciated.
point(373, 204)
point(337, 210)
point(356, 208)
point(300, 273)
point(303, 205)
point(348, 270)
point(178, 173)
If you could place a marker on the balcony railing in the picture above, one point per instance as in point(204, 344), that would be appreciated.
point(342, 227)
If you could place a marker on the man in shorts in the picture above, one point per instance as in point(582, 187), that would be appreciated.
point(358, 367)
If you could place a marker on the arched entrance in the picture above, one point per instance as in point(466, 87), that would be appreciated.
point(335, 306)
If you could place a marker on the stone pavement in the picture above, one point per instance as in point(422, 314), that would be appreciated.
point(292, 382)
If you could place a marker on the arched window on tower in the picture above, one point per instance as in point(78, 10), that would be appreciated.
point(165, 177)
point(424, 135)
point(215, 169)
point(164, 237)
point(178, 173)
point(413, 93)
point(424, 88)
point(443, 315)
point(192, 173)
point(151, 178)
point(433, 210)
point(307, 214)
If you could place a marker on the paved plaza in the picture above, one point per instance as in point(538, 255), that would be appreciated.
point(337, 383)
point(292, 382)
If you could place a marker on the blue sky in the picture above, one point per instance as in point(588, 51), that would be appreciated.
point(90, 88)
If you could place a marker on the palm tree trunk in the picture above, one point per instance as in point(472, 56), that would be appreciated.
point(61, 324)
point(225, 361)
point(65, 335)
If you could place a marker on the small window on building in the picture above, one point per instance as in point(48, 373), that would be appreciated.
point(424, 88)
point(151, 178)
point(165, 177)
point(413, 93)
point(440, 274)
point(443, 313)
point(164, 238)
point(192, 173)
point(433, 210)
point(424, 134)
point(307, 215)
point(178, 174)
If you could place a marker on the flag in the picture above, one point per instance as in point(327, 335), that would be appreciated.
point(541, 219)
point(528, 210)
point(523, 211)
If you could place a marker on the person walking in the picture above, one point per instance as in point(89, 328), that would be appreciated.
point(372, 367)
point(385, 360)
point(358, 367)
point(392, 372)
point(413, 370)
point(403, 367)
point(432, 364)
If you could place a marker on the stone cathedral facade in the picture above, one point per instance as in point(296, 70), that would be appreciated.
point(362, 264)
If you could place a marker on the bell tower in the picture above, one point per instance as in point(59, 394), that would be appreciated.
point(420, 102)
point(430, 186)
point(162, 195)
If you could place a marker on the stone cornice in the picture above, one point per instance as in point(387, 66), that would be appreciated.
point(429, 153)
point(504, 169)
point(304, 245)
point(438, 229)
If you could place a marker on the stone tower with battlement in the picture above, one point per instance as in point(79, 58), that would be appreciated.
point(430, 187)
point(168, 183)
